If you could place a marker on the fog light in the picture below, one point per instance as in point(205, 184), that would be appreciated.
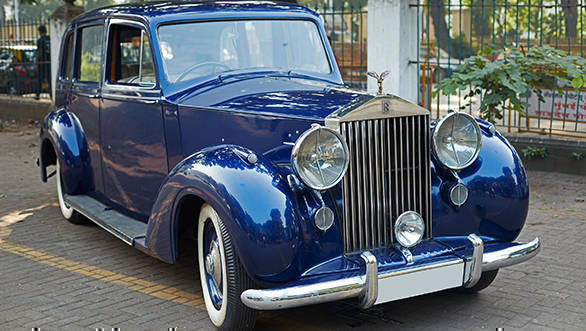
point(459, 194)
point(409, 229)
point(323, 218)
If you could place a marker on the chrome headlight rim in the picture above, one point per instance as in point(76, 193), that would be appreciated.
point(397, 228)
point(436, 133)
point(297, 147)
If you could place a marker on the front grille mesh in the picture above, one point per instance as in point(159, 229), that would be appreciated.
point(389, 173)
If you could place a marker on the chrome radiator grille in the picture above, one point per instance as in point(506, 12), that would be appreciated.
point(389, 173)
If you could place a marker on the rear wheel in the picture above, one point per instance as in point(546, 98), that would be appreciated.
point(485, 280)
point(67, 211)
point(223, 279)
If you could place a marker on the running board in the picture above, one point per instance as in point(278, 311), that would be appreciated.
point(125, 228)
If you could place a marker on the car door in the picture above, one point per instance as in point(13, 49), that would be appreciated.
point(133, 137)
point(85, 93)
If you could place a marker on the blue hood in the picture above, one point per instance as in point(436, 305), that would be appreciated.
point(280, 96)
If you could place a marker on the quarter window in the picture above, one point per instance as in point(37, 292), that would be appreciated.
point(67, 66)
point(91, 53)
point(131, 62)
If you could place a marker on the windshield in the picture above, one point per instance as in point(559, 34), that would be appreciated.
point(191, 50)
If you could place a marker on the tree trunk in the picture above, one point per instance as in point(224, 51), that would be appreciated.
point(570, 9)
point(440, 28)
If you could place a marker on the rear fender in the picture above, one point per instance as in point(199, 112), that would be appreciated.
point(63, 131)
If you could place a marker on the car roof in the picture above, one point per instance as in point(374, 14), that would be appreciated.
point(161, 12)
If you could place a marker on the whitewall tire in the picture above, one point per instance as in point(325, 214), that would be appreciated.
point(222, 277)
point(67, 211)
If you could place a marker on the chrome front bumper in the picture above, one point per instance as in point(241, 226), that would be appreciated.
point(417, 280)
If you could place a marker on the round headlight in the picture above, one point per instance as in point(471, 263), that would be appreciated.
point(320, 157)
point(409, 229)
point(456, 140)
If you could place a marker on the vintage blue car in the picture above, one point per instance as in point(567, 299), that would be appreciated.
point(229, 123)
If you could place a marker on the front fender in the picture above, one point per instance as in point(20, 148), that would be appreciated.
point(254, 201)
point(498, 198)
point(64, 131)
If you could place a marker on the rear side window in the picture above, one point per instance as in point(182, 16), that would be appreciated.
point(90, 55)
point(67, 64)
point(130, 62)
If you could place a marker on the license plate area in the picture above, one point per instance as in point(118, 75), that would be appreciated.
point(417, 281)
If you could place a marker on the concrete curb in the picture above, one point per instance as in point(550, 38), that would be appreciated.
point(559, 153)
point(23, 109)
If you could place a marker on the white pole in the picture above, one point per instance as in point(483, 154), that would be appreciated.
point(17, 18)
point(392, 43)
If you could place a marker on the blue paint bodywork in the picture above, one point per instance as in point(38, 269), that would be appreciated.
point(189, 140)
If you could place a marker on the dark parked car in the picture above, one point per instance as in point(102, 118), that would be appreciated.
point(228, 122)
point(17, 69)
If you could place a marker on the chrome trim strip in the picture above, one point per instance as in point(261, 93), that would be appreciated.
point(428, 178)
point(395, 169)
point(353, 197)
point(371, 197)
point(385, 215)
point(346, 184)
point(400, 167)
point(365, 285)
point(378, 196)
point(420, 171)
point(408, 138)
point(360, 175)
point(510, 256)
point(131, 98)
point(475, 264)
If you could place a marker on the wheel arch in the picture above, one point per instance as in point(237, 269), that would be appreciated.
point(47, 157)
point(244, 195)
point(63, 138)
point(186, 214)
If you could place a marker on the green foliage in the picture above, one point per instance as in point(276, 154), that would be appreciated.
point(532, 151)
point(578, 156)
point(90, 68)
point(512, 77)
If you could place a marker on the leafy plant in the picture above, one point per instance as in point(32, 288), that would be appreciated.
point(532, 151)
point(578, 156)
point(508, 75)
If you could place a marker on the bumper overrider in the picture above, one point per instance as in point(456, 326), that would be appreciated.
point(374, 287)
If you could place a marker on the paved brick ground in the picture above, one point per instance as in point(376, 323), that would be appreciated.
point(55, 275)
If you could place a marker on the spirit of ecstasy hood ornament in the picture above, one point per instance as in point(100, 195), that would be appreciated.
point(379, 79)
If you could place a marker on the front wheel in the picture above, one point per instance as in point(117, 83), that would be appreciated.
point(223, 279)
point(67, 211)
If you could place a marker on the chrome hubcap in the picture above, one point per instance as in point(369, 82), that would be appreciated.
point(212, 264)
point(209, 264)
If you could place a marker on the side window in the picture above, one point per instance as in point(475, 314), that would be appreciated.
point(67, 64)
point(90, 39)
point(130, 57)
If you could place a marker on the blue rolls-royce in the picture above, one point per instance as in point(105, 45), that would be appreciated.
point(229, 123)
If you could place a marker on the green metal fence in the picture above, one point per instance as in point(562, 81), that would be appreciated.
point(22, 71)
point(346, 28)
point(451, 30)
